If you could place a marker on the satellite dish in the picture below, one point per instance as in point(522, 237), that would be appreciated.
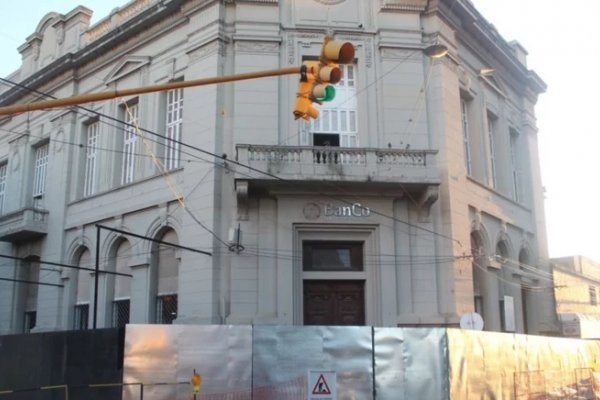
point(471, 321)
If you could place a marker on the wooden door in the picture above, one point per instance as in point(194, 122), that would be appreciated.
point(334, 302)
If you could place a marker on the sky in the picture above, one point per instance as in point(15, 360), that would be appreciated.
point(562, 41)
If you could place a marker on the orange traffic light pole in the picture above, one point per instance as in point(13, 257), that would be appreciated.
point(113, 94)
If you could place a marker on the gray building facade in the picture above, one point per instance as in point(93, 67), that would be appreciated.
point(413, 200)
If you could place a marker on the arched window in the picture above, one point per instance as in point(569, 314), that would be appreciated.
point(82, 293)
point(501, 252)
point(166, 270)
point(122, 292)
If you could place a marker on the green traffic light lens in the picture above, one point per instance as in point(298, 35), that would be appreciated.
point(328, 95)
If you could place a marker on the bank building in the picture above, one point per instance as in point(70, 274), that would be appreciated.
point(415, 198)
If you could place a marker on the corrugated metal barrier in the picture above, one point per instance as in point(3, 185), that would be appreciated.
point(272, 362)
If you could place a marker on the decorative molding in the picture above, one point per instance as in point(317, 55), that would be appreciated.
point(426, 200)
point(126, 66)
point(463, 77)
point(15, 160)
point(291, 49)
point(207, 49)
point(256, 47)
point(389, 52)
point(368, 52)
point(241, 189)
point(309, 35)
point(330, 2)
point(404, 5)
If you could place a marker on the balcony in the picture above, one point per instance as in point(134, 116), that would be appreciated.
point(391, 172)
point(337, 164)
point(24, 224)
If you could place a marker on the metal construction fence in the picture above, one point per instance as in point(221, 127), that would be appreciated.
point(273, 362)
point(281, 363)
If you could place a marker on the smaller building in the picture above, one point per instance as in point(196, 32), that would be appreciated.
point(576, 289)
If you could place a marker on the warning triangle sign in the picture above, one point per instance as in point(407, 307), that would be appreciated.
point(321, 386)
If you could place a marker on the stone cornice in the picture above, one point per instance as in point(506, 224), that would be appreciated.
point(141, 22)
point(477, 33)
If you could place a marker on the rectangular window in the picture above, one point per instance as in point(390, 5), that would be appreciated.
point(2, 185)
point(166, 308)
point(332, 256)
point(514, 162)
point(464, 109)
point(174, 120)
point(129, 143)
point(338, 118)
point(120, 316)
point(91, 156)
point(80, 321)
point(40, 171)
point(491, 130)
point(593, 298)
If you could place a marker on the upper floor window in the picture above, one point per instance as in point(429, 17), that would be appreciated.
point(332, 256)
point(514, 164)
point(129, 143)
point(2, 185)
point(174, 122)
point(40, 171)
point(464, 112)
point(593, 298)
point(91, 159)
point(337, 124)
point(492, 121)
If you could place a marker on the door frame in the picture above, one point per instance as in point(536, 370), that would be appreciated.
point(366, 233)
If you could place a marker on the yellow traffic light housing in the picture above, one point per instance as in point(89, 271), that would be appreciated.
point(318, 77)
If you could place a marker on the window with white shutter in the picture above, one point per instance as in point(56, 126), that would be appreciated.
point(337, 124)
point(91, 159)
point(40, 170)
point(129, 144)
point(174, 122)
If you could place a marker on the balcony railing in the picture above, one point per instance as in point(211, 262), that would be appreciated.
point(24, 224)
point(337, 163)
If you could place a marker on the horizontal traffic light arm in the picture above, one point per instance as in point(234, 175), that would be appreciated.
point(113, 94)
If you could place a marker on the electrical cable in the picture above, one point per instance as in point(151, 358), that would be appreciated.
point(224, 158)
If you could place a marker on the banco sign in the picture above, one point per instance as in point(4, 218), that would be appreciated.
point(354, 210)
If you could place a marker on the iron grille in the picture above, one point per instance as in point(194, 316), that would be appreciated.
point(80, 322)
point(166, 308)
point(120, 314)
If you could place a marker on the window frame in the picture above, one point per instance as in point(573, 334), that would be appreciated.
point(174, 102)
point(81, 312)
point(90, 178)
point(514, 165)
point(464, 112)
point(131, 116)
point(355, 248)
point(3, 180)
point(40, 170)
point(491, 128)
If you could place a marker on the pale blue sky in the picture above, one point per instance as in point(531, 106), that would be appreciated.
point(562, 41)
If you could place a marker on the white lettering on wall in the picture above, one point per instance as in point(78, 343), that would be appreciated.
point(354, 210)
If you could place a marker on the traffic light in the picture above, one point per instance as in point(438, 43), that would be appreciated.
point(318, 77)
